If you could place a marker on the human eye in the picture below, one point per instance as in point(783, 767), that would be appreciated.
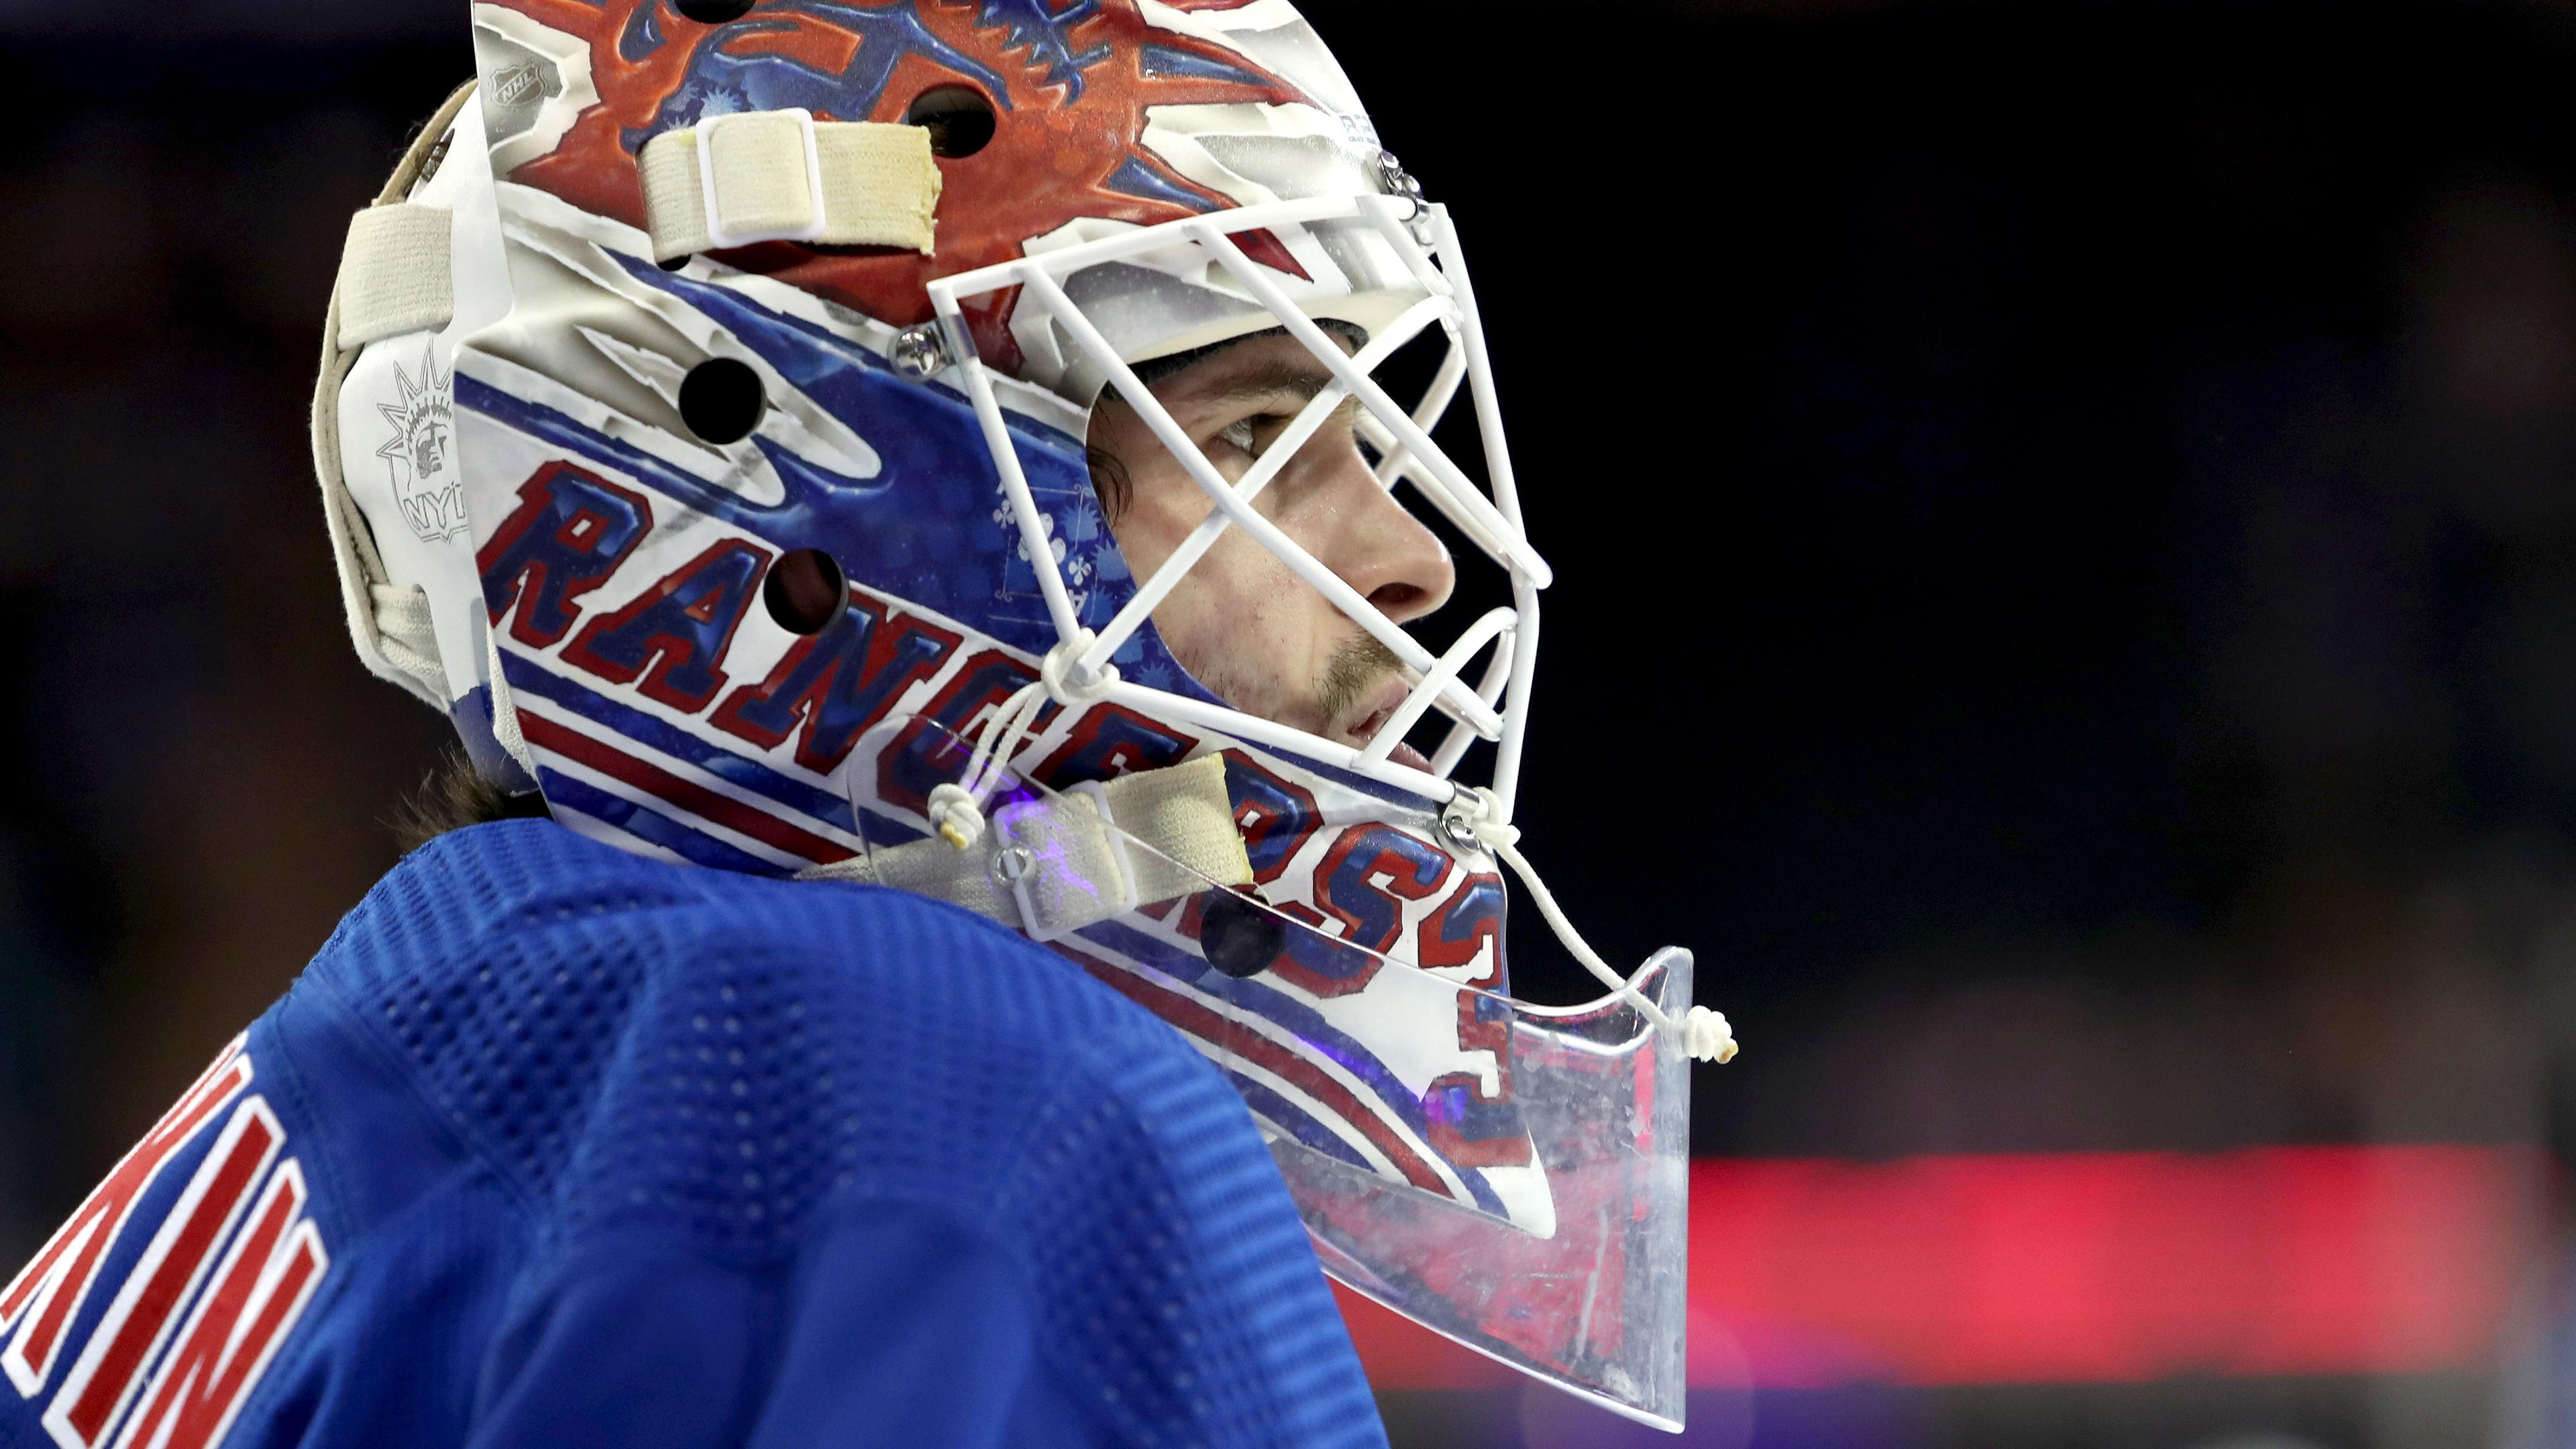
point(1253, 434)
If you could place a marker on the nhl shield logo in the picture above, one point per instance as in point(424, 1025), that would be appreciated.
point(421, 454)
point(517, 84)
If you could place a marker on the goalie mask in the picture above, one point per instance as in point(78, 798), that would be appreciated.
point(703, 426)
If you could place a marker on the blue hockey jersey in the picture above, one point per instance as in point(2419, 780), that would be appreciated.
point(555, 1145)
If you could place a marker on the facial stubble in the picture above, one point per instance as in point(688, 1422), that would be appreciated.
point(1356, 671)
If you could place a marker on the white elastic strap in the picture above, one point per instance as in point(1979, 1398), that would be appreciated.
point(505, 708)
point(395, 275)
point(406, 635)
point(1186, 817)
point(760, 176)
point(1182, 816)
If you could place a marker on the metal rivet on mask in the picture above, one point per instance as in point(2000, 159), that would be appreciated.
point(921, 353)
point(722, 400)
point(1394, 180)
point(1012, 864)
point(1461, 834)
point(1238, 937)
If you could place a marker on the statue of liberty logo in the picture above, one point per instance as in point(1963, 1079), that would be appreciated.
point(422, 452)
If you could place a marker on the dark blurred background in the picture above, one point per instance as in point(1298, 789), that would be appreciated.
point(2070, 508)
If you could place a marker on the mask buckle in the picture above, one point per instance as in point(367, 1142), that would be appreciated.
point(765, 135)
point(1066, 867)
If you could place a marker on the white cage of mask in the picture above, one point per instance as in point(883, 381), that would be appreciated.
point(1494, 707)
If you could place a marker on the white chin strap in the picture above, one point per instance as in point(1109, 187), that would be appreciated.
point(1062, 864)
point(1056, 864)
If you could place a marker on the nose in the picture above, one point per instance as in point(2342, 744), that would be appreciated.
point(1367, 538)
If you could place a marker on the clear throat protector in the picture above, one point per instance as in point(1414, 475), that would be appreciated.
point(1512, 1176)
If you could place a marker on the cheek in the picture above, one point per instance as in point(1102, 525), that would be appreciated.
point(1164, 507)
point(1240, 621)
point(1235, 599)
point(1319, 494)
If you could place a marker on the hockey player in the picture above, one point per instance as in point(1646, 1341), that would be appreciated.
point(898, 500)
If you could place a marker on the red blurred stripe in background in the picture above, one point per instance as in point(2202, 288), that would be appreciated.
point(2077, 1268)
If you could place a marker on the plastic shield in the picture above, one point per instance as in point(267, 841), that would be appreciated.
point(1597, 1307)
point(1512, 1176)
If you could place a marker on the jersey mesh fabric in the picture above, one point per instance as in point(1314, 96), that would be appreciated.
point(721, 1063)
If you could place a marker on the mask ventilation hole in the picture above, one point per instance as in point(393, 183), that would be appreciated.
point(721, 400)
point(712, 12)
point(806, 592)
point(1238, 937)
point(959, 119)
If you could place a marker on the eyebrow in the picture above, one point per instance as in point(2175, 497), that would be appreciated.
point(1273, 379)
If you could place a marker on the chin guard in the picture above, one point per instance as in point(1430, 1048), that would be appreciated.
point(1512, 1176)
point(1596, 1307)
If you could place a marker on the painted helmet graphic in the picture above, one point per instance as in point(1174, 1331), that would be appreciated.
point(704, 425)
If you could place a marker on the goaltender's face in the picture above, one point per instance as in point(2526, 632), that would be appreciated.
point(1241, 622)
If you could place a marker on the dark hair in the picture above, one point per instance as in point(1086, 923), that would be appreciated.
point(455, 795)
point(1109, 482)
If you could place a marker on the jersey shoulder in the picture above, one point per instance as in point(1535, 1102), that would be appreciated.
point(747, 1071)
point(756, 1073)
point(621, 1034)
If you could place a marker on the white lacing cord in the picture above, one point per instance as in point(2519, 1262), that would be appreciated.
point(1704, 1033)
point(958, 809)
point(405, 635)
